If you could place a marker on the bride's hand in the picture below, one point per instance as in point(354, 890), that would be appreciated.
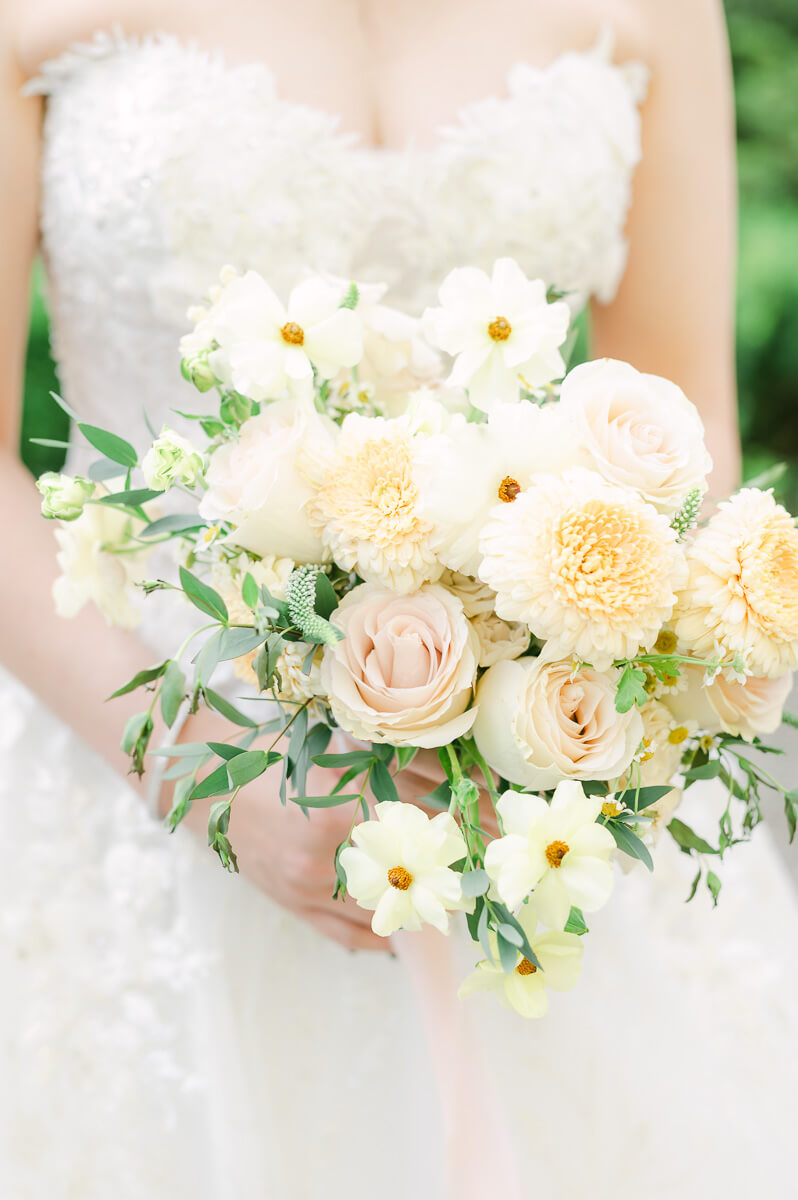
point(289, 856)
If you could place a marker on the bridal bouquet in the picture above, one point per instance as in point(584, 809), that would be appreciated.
point(407, 534)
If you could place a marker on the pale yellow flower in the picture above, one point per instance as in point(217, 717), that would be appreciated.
point(366, 508)
point(590, 567)
point(742, 593)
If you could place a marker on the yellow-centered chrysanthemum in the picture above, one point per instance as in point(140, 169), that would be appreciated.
point(366, 508)
point(742, 592)
point(590, 567)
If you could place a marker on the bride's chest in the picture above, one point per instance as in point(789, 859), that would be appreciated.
point(161, 164)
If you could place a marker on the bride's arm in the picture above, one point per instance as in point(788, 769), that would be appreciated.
point(73, 666)
point(673, 315)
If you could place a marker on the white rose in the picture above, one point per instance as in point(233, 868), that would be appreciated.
point(171, 459)
point(405, 669)
point(63, 496)
point(542, 721)
point(258, 482)
point(498, 639)
point(745, 709)
point(636, 430)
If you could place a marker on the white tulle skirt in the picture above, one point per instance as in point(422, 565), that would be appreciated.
point(165, 1030)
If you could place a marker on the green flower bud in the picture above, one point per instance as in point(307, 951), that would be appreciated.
point(63, 496)
point(171, 459)
point(197, 371)
point(235, 408)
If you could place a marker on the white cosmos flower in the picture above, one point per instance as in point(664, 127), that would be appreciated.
point(556, 849)
point(264, 347)
point(524, 988)
point(399, 868)
point(500, 329)
point(466, 470)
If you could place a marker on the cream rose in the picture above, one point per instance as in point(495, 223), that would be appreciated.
point(745, 709)
point(636, 430)
point(498, 639)
point(258, 483)
point(404, 672)
point(540, 721)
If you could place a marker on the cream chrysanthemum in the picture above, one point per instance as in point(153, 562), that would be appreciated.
point(590, 567)
point(742, 593)
point(366, 508)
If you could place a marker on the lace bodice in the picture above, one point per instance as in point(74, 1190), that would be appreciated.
point(161, 164)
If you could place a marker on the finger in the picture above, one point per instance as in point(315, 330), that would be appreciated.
point(350, 934)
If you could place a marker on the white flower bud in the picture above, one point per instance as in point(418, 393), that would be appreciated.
point(171, 459)
point(63, 496)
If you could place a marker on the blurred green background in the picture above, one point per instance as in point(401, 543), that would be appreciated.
point(764, 40)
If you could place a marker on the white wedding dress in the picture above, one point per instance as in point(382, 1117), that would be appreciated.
point(166, 1030)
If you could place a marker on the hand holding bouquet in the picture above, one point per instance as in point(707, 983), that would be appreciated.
point(459, 554)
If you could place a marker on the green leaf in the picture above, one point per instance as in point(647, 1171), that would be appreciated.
point(181, 802)
point(62, 404)
point(791, 812)
point(475, 883)
point(576, 922)
point(630, 843)
point(630, 688)
point(249, 591)
point(215, 784)
point(208, 658)
point(404, 756)
point(790, 719)
point(182, 750)
point(218, 824)
point(103, 469)
point(508, 951)
point(440, 797)
point(331, 801)
point(173, 523)
point(353, 758)
point(483, 933)
point(709, 770)
point(140, 678)
point(649, 795)
point(714, 884)
point(113, 447)
point(248, 766)
point(134, 727)
point(173, 690)
point(382, 785)
point(54, 443)
point(238, 640)
point(226, 709)
point(507, 918)
point(224, 750)
point(203, 597)
point(687, 839)
point(326, 599)
point(131, 496)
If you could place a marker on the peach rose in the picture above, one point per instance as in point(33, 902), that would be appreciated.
point(745, 709)
point(540, 721)
point(404, 672)
point(636, 430)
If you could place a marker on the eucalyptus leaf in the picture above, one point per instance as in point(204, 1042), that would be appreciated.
point(181, 802)
point(382, 785)
point(172, 523)
point(173, 691)
point(226, 709)
point(475, 883)
point(140, 678)
point(113, 447)
point(249, 591)
point(203, 597)
point(630, 843)
point(237, 640)
point(331, 801)
point(103, 469)
point(508, 951)
point(248, 766)
point(353, 758)
point(130, 496)
point(215, 784)
point(687, 839)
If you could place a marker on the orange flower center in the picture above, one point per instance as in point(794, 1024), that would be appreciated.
point(400, 878)
point(525, 967)
point(556, 852)
point(500, 329)
point(509, 488)
point(292, 333)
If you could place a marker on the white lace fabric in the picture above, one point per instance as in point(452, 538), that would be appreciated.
point(164, 1028)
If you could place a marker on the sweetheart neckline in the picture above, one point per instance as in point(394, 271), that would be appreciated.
point(106, 44)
